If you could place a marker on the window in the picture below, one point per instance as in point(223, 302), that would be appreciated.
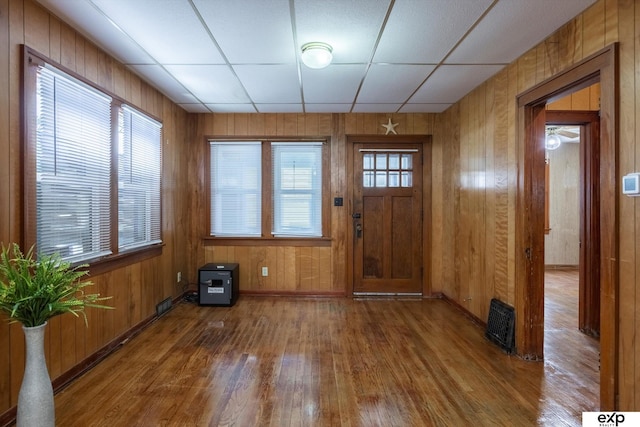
point(297, 189)
point(73, 161)
point(236, 189)
point(267, 188)
point(138, 180)
point(73, 189)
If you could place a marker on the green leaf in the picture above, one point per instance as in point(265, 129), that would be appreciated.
point(33, 291)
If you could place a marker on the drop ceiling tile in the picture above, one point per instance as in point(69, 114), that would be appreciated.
point(212, 84)
point(376, 108)
point(165, 82)
point(423, 31)
point(279, 108)
point(270, 83)
point(350, 27)
point(195, 108)
point(449, 83)
point(231, 108)
point(424, 108)
point(147, 21)
point(251, 32)
point(327, 108)
point(336, 84)
point(392, 83)
point(91, 23)
point(515, 18)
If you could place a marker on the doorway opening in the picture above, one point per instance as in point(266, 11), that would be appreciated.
point(572, 241)
point(530, 212)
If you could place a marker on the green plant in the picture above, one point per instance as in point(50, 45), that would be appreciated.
point(34, 290)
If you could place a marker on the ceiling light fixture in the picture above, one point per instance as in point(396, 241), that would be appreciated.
point(552, 141)
point(316, 54)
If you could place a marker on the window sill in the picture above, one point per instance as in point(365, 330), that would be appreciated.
point(113, 262)
point(267, 241)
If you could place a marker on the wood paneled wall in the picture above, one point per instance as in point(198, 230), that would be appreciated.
point(317, 270)
point(478, 138)
point(137, 288)
point(587, 99)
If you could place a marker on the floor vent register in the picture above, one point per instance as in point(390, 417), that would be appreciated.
point(501, 324)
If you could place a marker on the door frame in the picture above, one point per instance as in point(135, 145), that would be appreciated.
point(589, 178)
point(529, 239)
point(425, 140)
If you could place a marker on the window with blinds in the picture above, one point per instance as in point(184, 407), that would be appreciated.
point(256, 184)
point(139, 161)
point(88, 170)
point(297, 189)
point(73, 167)
point(236, 189)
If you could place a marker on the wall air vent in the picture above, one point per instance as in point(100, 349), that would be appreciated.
point(501, 325)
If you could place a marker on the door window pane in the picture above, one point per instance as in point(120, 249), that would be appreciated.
point(390, 170)
point(394, 161)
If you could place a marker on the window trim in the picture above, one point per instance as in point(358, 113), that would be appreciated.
point(31, 61)
point(267, 239)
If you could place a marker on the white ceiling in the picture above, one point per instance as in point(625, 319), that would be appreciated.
point(244, 55)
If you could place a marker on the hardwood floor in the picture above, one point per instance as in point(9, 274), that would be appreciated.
point(272, 361)
point(571, 357)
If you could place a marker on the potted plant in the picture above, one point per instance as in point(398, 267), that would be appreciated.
point(31, 292)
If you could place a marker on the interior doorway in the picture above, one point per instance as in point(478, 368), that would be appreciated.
point(571, 277)
point(529, 299)
point(572, 236)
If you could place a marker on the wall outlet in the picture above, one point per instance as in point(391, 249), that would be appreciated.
point(265, 271)
point(179, 277)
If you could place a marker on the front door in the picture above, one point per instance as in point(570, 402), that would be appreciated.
point(387, 219)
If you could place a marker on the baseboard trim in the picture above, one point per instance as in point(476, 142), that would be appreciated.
point(274, 293)
point(475, 319)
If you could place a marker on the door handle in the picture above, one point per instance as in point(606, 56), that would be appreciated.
point(358, 230)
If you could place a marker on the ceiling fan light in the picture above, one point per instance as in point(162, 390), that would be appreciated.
point(316, 54)
point(552, 142)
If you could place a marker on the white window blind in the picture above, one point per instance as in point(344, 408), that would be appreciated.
point(73, 166)
point(297, 189)
point(236, 188)
point(139, 169)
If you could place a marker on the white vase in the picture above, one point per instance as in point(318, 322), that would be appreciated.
point(35, 401)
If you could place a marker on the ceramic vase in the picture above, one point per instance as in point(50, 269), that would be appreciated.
point(35, 400)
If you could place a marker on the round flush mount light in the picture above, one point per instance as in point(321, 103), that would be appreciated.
point(552, 141)
point(316, 54)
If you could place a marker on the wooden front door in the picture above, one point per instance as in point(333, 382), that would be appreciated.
point(387, 219)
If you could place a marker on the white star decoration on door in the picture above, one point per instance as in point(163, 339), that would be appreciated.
point(391, 127)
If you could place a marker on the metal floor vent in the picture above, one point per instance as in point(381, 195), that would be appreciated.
point(163, 306)
point(500, 326)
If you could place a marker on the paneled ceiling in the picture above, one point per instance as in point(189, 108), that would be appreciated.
point(244, 55)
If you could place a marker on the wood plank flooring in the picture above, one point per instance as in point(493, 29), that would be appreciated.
point(271, 361)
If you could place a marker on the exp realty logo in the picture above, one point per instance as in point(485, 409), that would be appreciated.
point(610, 419)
